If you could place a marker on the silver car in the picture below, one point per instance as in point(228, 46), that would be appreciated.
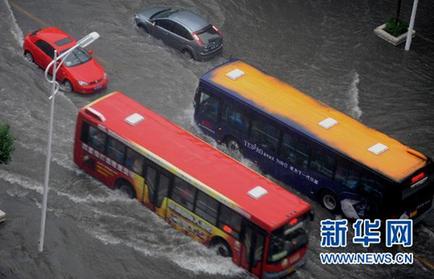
point(182, 30)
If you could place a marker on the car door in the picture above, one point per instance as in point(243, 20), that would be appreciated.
point(44, 55)
point(163, 30)
point(181, 37)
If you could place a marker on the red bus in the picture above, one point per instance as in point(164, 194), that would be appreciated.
point(193, 186)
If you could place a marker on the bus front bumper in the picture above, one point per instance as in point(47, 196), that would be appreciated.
point(283, 273)
point(423, 215)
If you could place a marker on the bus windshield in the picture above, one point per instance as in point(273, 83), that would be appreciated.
point(286, 240)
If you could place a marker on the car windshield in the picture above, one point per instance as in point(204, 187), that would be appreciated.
point(287, 240)
point(76, 57)
point(163, 14)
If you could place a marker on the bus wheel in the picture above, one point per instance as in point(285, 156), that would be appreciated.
point(233, 148)
point(329, 201)
point(126, 188)
point(222, 248)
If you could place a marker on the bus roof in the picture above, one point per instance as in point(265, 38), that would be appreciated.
point(216, 173)
point(319, 121)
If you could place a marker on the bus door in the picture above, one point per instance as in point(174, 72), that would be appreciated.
point(253, 241)
point(207, 112)
point(234, 123)
point(157, 182)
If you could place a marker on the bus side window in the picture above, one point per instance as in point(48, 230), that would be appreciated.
point(259, 248)
point(85, 132)
point(370, 185)
point(295, 151)
point(235, 117)
point(206, 207)
point(115, 150)
point(264, 134)
point(97, 139)
point(322, 162)
point(347, 175)
point(183, 193)
point(163, 188)
point(231, 219)
point(209, 106)
point(134, 161)
point(151, 181)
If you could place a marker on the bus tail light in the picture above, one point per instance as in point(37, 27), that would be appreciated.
point(295, 257)
point(293, 221)
point(198, 40)
point(227, 229)
point(418, 177)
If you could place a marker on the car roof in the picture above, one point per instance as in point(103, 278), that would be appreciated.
point(189, 20)
point(52, 35)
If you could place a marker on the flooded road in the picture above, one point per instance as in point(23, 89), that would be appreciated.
point(325, 48)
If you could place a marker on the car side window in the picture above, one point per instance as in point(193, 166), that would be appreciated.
point(178, 29)
point(45, 47)
point(165, 24)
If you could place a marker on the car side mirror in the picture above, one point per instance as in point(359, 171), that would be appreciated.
point(90, 52)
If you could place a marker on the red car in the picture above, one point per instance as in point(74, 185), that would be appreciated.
point(79, 72)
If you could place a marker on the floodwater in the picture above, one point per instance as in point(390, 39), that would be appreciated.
point(325, 48)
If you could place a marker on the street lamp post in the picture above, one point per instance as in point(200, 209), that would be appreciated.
point(85, 41)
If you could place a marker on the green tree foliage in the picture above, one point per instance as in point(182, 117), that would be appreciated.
point(6, 144)
point(396, 27)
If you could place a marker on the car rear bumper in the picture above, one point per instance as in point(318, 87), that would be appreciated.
point(88, 89)
point(203, 56)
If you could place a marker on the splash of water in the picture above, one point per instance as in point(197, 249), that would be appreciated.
point(16, 30)
point(353, 100)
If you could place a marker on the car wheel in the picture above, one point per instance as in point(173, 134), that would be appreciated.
point(187, 55)
point(67, 86)
point(143, 27)
point(234, 148)
point(222, 248)
point(29, 57)
point(329, 201)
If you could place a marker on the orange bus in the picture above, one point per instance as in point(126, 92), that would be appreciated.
point(193, 186)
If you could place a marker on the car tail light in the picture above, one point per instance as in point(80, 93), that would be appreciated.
point(293, 221)
point(197, 39)
point(217, 30)
point(418, 177)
